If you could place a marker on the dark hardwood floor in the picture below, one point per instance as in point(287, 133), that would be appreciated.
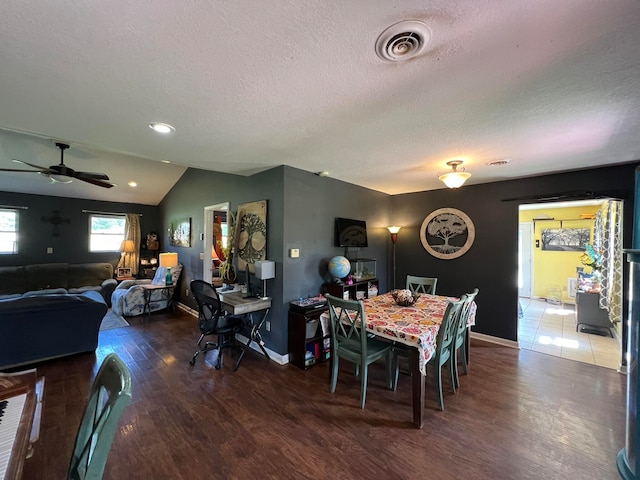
point(518, 415)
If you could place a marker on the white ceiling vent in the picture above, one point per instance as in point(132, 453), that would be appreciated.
point(403, 41)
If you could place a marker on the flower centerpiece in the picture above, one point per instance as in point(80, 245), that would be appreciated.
point(227, 269)
point(592, 258)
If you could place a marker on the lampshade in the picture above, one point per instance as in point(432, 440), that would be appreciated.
point(394, 229)
point(127, 246)
point(169, 259)
point(265, 269)
point(455, 178)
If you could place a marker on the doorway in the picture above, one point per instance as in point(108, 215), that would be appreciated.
point(547, 278)
point(215, 237)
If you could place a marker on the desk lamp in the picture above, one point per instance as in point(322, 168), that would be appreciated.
point(265, 270)
point(169, 260)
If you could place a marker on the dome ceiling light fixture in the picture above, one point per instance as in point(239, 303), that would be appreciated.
point(403, 41)
point(161, 127)
point(455, 178)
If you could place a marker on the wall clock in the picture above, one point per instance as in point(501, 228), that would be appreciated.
point(447, 233)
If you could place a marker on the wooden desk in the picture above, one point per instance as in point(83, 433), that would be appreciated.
point(236, 304)
point(416, 326)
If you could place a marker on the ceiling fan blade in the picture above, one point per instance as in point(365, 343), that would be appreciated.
point(37, 167)
point(27, 171)
point(98, 182)
point(95, 176)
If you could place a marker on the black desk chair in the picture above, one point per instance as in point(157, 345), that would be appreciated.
point(212, 321)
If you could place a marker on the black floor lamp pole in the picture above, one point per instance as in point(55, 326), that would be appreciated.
point(394, 238)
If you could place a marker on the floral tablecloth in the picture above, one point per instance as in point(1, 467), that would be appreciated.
point(416, 326)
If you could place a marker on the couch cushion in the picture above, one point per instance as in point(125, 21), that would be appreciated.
point(13, 280)
point(89, 274)
point(47, 291)
point(46, 275)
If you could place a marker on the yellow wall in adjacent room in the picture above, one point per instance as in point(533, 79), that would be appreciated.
point(551, 269)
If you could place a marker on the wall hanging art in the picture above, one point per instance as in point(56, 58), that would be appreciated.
point(180, 232)
point(251, 234)
point(447, 233)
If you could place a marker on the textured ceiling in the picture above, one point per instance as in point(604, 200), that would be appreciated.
point(250, 85)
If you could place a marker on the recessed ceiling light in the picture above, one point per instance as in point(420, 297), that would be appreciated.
point(161, 127)
point(166, 161)
point(132, 184)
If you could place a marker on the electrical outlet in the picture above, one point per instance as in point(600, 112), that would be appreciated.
point(186, 292)
point(267, 325)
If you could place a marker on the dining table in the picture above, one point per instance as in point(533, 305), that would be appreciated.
point(417, 326)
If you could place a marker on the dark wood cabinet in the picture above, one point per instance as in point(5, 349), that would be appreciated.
point(590, 315)
point(308, 345)
point(356, 291)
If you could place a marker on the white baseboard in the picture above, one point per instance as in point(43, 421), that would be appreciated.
point(497, 340)
point(276, 357)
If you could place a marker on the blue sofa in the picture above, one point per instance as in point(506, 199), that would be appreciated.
point(42, 325)
point(73, 277)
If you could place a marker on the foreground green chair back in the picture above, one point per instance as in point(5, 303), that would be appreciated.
point(110, 394)
point(421, 284)
point(442, 355)
point(444, 340)
point(351, 342)
point(460, 343)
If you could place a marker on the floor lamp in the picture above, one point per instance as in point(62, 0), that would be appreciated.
point(394, 238)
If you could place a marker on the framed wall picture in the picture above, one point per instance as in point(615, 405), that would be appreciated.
point(565, 239)
point(124, 272)
point(251, 234)
point(447, 233)
point(180, 232)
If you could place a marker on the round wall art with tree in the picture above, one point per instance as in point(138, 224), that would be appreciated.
point(447, 233)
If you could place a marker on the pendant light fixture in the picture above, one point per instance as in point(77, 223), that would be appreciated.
point(455, 178)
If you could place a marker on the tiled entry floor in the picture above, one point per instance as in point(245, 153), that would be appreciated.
point(551, 329)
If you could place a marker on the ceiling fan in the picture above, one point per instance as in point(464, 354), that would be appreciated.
point(54, 172)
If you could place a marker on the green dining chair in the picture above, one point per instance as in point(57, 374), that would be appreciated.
point(442, 355)
point(421, 284)
point(110, 394)
point(351, 342)
point(459, 345)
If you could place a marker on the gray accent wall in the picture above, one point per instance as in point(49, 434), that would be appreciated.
point(301, 209)
point(492, 262)
point(71, 245)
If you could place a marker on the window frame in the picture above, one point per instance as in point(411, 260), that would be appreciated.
point(94, 236)
point(15, 232)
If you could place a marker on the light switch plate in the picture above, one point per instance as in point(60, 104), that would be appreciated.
point(294, 253)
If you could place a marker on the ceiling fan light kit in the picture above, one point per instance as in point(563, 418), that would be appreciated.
point(455, 178)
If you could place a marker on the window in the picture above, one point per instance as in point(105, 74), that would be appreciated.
point(106, 233)
point(8, 231)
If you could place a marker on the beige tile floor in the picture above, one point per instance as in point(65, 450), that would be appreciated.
point(551, 329)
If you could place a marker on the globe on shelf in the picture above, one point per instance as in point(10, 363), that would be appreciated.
point(339, 267)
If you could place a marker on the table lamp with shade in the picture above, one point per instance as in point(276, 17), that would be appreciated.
point(265, 270)
point(127, 247)
point(169, 260)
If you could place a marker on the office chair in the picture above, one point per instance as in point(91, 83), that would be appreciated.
point(422, 284)
point(110, 394)
point(212, 321)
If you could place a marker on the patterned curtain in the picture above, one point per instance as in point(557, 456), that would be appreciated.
point(607, 238)
point(131, 232)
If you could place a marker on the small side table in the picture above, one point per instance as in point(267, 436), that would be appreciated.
point(150, 288)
